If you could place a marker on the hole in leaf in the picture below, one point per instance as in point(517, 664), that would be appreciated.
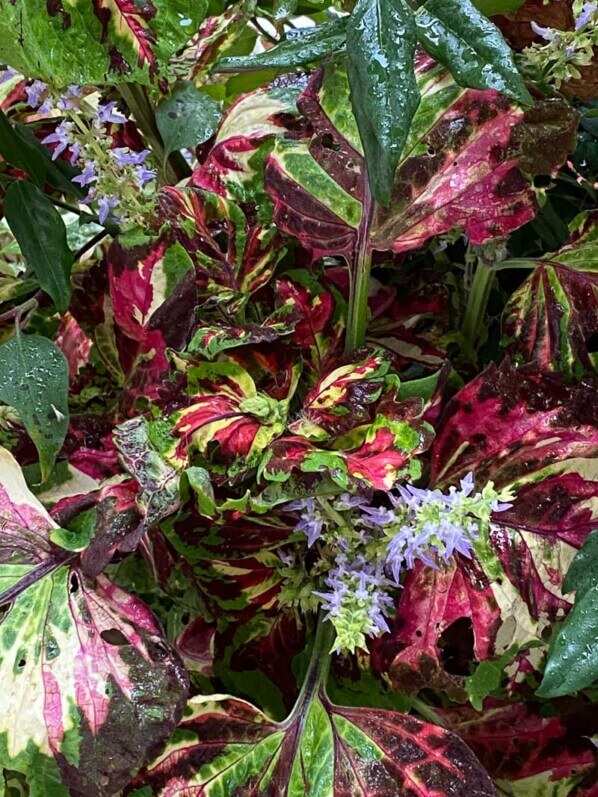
point(185, 617)
point(114, 637)
point(431, 151)
point(22, 663)
point(328, 142)
point(456, 643)
point(73, 583)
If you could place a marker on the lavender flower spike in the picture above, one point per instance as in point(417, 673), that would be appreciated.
point(60, 136)
point(105, 204)
point(548, 34)
point(107, 115)
point(586, 15)
point(88, 175)
point(34, 93)
point(8, 74)
point(123, 155)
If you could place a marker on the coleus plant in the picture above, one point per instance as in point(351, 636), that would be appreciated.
point(298, 483)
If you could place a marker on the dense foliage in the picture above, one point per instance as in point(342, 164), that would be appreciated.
point(298, 409)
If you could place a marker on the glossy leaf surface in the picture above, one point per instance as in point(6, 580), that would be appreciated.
point(102, 42)
point(41, 234)
point(92, 689)
point(34, 380)
point(226, 744)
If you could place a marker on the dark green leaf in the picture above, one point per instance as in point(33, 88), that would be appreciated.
point(298, 50)
point(491, 7)
point(58, 173)
point(34, 378)
point(460, 37)
point(41, 235)
point(573, 654)
point(381, 40)
point(187, 118)
point(19, 151)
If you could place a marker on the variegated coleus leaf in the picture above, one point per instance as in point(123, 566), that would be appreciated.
point(233, 167)
point(159, 482)
point(540, 437)
point(152, 297)
point(92, 690)
point(553, 315)
point(419, 328)
point(229, 414)
point(227, 746)
point(234, 254)
point(194, 60)
point(342, 399)
point(529, 431)
point(322, 312)
point(375, 455)
point(211, 340)
point(467, 150)
point(94, 41)
point(530, 752)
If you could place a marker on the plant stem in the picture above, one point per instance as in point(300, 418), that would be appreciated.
point(477, 302)
point(174, 166)
point(90, 244)
point(317, 671)
point(360, 278)
point(427, 712)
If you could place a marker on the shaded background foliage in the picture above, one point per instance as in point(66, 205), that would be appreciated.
point(366, 255)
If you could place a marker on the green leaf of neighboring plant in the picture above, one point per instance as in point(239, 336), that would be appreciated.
point(460, 37)
point(297, 50)
point(487, 678)
point(187, 118)
point(21, 153)
point(381, 40)
point(573, 654)
point(491, 7)
point(199, 481)
point(99, 42)
point(34, 379)
point(41, 235)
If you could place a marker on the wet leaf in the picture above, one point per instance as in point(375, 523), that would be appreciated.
point(41, 235)
point(472, 47)
point(381, 39)
point(103, 42)
point(92, 689)
point(227, 744)
point(34, 380)
point(573, 655)
point(187, 118)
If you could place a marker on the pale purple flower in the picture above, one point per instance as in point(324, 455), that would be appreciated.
point(8, 74)
point(69, 101)
point(144, 175)
point(61, 137)
point(47, 105)
point(362, 580)
point(377, 516)
point(587, 12)
point(107, 115)
point(311, 522)
point(123, 156)
point(105, 204)
point(34, 93)
point(347, 501)
point(548, 34)
point(88, 175)
point(75, 153)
